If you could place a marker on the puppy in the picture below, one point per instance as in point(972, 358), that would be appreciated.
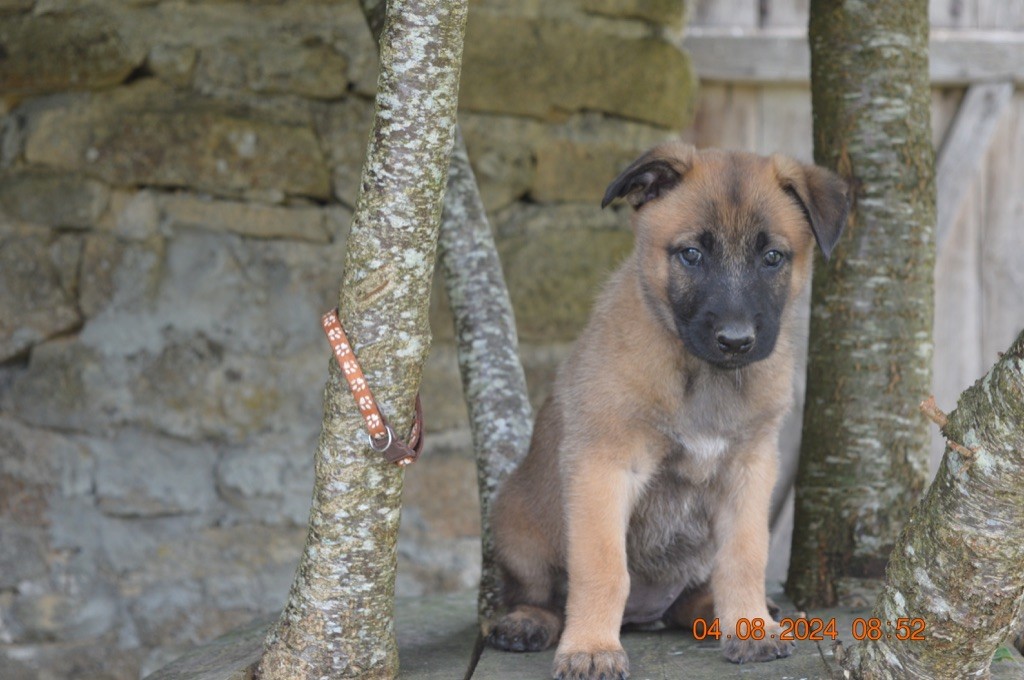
point(645, 493)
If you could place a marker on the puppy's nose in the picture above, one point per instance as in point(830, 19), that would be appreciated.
point(735, 338)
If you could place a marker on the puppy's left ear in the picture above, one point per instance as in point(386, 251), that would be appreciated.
point(656, 172)
point(822, 195)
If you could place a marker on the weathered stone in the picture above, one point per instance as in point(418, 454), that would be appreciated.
point(139, 475)
point(439, 546)
point(172, 63)
point(501, 150)
point(56, 52)
point(581, 157)
point(441, 391)
point(309, 69)
point(216, 349)
point(555, 266)
point(667, 12)
point(16, 5)
point(96, 659)
point(54, 200)
point(641, 77)
point(22, 552)
point(34, 305)
point(132, 215)
point(148, 135)
point(344, 128)
point(248, 219)
point(118, 272)
point(271, 483)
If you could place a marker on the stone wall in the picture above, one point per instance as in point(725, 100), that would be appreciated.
point(176, 182)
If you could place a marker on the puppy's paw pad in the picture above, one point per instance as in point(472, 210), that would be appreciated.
point(520, 632)
point(768, 649)
point(612, 664)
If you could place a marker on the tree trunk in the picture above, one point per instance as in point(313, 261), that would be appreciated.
point(957, 565)
point(500, 415)
point(338, 621)
point(864, 451)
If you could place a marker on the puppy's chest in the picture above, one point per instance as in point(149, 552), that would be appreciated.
point(697, 447)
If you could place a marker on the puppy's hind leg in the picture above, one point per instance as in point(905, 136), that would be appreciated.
point(534, 619)
point(526, 543)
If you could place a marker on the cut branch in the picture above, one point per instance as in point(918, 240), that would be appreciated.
point(957, 564)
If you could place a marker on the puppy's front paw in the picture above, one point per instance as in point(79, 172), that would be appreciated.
point(767, 649)
point(605, 664)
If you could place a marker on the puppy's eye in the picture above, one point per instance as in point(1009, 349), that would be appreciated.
point(691, 257)
point(773, 258)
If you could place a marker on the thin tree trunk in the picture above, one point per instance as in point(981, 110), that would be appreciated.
point(338, 621)
point(500, 415)
point(863, 457)
point(957, 565)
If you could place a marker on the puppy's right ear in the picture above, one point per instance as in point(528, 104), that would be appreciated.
point(648, 177)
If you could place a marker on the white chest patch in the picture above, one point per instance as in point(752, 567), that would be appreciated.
point(706, 448)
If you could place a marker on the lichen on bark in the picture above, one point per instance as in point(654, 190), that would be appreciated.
point(492, 376)
point(338, 621)
point(863, 458)
point(957, 564)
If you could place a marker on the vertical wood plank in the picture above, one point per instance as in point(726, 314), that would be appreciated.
point(786, 122)
point(958, 311)
point(945, 103)
point(727, 116)
point(954, 13)
point(784, 13)
point(724, 13)
point(1004, 15)
point(1002, 245)
point(965, 147)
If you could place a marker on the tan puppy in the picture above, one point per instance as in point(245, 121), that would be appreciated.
point(645, 493)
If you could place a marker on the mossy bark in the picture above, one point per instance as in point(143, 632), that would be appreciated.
point(338, 621)
point(493, 381)
point(863, 458)
point(958, 563)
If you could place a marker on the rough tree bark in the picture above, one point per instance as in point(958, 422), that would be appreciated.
point(338, 621)
point(863, 457)
point(958, 563)
point(500, 415)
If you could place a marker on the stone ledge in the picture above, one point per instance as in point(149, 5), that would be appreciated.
point(437, 636)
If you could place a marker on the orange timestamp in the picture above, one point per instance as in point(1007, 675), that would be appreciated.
point(814, 629)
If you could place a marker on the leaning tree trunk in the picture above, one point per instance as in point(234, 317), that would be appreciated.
point(863, 457)
point(500, 415)
point(338, 621)
point(957, 565)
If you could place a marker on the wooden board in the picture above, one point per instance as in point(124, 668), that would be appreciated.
point(781, 55)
